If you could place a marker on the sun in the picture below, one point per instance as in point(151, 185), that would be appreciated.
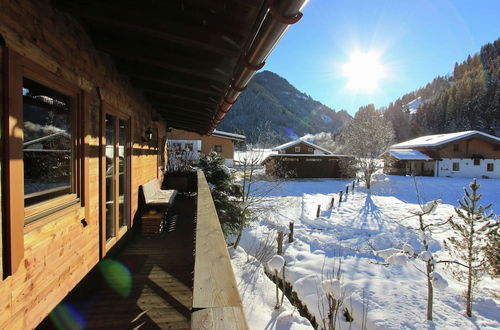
point(363, 72)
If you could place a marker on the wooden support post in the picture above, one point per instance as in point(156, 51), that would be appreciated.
point(318, 211)
point(353, 186)
point(280, 242)
point(290, 234)
point(358, 181)
point(347, 189)
point(333, 203)
point(340, 196)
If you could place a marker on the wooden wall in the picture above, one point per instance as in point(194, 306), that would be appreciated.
point(304, 167)
point(59, 250)
point(304, 149)
point(467, 148)
point(208, 143)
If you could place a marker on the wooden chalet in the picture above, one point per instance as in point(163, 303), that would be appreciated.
point(88, 89)
point(302, 159)
point(194, 145)
point(461, 154)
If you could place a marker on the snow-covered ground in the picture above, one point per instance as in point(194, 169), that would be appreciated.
point(380, 219)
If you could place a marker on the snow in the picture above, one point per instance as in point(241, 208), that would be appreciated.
point(259, 308)
point(439, 139)
point(383, 220)
point(276, 263)
point(408, 154)
point(325, 118)
point(425, 256)
point(229, 135)
point(332, 288)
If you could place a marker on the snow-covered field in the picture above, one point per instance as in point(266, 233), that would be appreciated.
point(381, 219)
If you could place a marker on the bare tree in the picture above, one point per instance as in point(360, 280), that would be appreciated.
point(366, 137)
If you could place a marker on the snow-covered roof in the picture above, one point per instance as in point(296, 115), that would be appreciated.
point(408, 154)
point(292, 143)
point(439, 139)
point(232, 136)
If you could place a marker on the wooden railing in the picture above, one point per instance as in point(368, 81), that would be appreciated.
point(216, 300)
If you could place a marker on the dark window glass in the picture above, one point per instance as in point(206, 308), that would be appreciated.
point(218, 148)
point(122, 175)
point(477, 161)
point(48, 143)
point(110, 176)
point(456, 166)
point(489, 167)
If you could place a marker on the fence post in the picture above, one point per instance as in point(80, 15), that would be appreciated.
point(353, 186)
point(358, 181)
point(318, 211)
point(340, 196)
point(347, 189)
point(280, 242)
point(333, 203)
point(290, 235)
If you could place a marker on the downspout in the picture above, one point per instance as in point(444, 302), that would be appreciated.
point(280, 14)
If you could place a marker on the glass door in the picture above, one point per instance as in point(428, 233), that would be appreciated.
point(115, 179)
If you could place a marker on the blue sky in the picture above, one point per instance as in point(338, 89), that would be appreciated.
point(416, 41)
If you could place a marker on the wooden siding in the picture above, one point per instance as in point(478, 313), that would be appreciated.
point(466, 148)
point(208, 143)
point(304, 166)
point(59, 250)
point(304, 149)
point(215, 292)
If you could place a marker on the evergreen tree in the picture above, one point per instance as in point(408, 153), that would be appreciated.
point(468, 244)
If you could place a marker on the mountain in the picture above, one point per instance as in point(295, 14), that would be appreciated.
point(289, 112)
point(467, 99)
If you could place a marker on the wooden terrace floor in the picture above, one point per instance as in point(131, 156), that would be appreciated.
point(161, 272)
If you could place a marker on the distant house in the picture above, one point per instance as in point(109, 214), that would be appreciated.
point(194, 145)
point(460, 154)
point(302, 159)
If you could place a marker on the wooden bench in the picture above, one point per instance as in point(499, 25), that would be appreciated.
point(157, 204)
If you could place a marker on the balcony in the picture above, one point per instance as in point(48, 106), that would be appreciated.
point(150, 283)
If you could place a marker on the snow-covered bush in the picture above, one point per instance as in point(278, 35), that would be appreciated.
point(275, 266)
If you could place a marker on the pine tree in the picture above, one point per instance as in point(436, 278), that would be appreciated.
point(467, 246)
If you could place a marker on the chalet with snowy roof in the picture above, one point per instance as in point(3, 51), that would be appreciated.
point(461, 154)
point(194, 145)
point(303, 159)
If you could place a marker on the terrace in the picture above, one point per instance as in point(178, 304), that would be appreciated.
point(158, 282)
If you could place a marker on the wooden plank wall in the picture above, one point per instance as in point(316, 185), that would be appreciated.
point(215, 292)
point(60, 253)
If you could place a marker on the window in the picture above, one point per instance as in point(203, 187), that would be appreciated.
point(489, 167)
point(297, 149)
point(456, 147)
point(188, 147)
point(477, 161)
point(116, 183)
point(218, 148)
point(456, 167)
point(310, 149)
point(43, 164)
point(313, 159)
point(48, 143)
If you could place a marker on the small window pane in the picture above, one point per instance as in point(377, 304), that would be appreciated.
point(122, 196)
point(456, 166)
point(477, 161)
point(48, 143)
point(489, 167)
point(218, 148)
point(110, 176)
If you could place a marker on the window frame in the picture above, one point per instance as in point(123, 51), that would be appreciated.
point(490, 165)
point(218, 146)
point(297, 149)
point(107, 244)
point(476, 161)
point(453, 167)
point(21, 219)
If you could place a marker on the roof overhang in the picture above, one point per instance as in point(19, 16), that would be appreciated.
point(191, 59)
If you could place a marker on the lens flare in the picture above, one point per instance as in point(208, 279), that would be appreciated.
point(65, 316)
point(117, 276)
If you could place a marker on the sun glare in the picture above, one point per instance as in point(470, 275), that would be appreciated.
point(363, 72)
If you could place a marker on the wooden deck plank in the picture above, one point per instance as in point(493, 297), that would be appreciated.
point(160, 273)
point(219, 318)
point(213, 286)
